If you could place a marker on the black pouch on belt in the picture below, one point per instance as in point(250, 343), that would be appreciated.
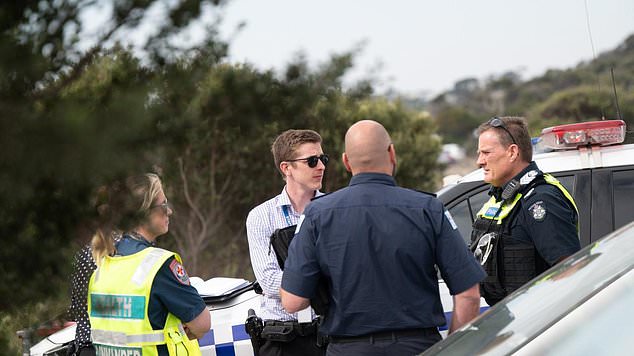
point(282, 332)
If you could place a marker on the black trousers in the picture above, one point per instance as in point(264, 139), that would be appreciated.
point(300, 346)
point(385, 344)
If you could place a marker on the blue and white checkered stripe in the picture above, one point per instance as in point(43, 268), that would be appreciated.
point(226, 341)
point(236, 342)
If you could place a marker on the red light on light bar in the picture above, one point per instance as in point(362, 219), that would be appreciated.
point(606, 132)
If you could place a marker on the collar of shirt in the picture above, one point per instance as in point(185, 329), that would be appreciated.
point(497, 191)
point(284, 200)
point(377, 178)
point(129, 245)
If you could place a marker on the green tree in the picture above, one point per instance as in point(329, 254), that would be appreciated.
point(455, 124)
point(218, 124)
point(72, 119)
point(581, 104)
point(75, 119)
point(558, 96)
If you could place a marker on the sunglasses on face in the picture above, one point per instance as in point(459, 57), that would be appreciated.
point(498, 123)
point(312, 160)
point(165, 206)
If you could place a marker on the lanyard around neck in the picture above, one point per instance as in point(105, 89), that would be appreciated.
point(287, 215)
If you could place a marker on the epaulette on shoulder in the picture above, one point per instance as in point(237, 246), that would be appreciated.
point(321, 196)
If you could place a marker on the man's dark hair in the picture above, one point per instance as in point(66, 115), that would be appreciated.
point(517, 131)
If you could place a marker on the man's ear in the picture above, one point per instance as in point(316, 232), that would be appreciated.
point(392, 152)
point(284, 168)
point(346, 162)
point(514, 153)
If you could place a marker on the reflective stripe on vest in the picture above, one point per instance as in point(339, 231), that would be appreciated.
point(146, 265)
point(122, 339)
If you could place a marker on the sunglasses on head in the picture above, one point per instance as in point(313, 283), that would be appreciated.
point(312, 160)
point(498, 123)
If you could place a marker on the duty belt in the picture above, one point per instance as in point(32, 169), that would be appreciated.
point(393, 335)
point(302, 329)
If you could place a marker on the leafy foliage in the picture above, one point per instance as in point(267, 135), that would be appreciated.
point(75, 119)
point(578, 94)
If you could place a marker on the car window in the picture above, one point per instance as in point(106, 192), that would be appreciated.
point(462, 217)
point(568, 183)
point(477, 201)
point(623, 185)
point(464, 213)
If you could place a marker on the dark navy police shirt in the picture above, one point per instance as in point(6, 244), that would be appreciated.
point(547, 220)
point(377, 245)
point(168, 292)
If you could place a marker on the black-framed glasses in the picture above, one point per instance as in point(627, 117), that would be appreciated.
point(165, 206)
point(312, 160)
point(498, 123)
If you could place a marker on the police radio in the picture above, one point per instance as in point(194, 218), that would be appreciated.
point(511, 189)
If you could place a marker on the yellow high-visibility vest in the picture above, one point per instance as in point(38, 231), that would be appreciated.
point(490, 209)
point(118, 298)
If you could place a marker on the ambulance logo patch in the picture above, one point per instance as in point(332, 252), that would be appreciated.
point(179, 272)
point(538, 210)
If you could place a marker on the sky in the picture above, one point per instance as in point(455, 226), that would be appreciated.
point(423, 47)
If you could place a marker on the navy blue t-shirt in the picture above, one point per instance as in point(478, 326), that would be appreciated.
point(168, 293)
point(378, 244)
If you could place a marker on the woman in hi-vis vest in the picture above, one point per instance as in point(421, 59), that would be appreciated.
point(140, 301)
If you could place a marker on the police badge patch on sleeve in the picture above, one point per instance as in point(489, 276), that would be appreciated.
point(450, 218)
point(179, 272)
point(538, 210)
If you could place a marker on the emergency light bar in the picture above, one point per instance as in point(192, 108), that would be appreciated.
point(605, 132)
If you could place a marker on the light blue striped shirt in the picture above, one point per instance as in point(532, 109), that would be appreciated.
point(262, 221)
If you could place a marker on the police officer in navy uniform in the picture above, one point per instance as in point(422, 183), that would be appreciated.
point(377, 245)
point(140, 209)
point(530, 222)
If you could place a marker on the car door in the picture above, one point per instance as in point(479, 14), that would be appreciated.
point(612, 199)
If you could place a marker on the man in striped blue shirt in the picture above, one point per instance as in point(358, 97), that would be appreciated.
point(301, 162)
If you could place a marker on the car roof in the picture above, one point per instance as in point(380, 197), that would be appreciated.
point(542, 302)
point(570, 160)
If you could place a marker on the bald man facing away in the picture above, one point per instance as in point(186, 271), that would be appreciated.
point(376, 244)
